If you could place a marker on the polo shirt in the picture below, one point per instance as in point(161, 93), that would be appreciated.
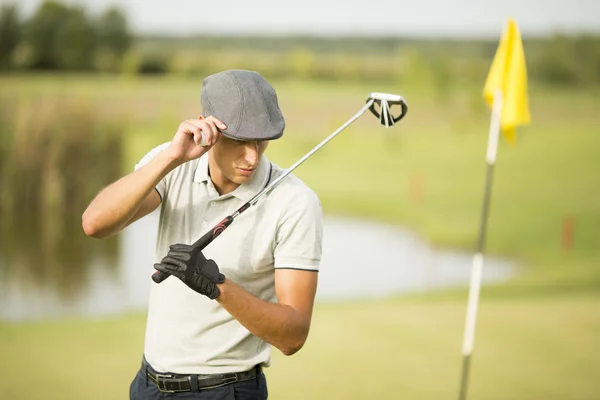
point(190, 334)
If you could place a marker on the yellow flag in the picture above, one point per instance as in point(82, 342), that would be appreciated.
point(508, 74)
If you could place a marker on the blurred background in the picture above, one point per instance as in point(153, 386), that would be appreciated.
point(88, 88)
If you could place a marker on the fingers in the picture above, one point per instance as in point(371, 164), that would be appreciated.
point(180, 251)
point(195, 132)
point(218, 123)
point(169, 269)
point(180, 255)
point(180, 247)
point(174, 262)
point(207, 129)
point(163, 268)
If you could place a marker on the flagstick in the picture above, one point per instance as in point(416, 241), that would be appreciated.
point(478, 257)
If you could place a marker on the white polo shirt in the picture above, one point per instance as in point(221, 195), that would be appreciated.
point(190, 334)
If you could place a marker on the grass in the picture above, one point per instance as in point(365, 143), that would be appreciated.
point(536, 335)
point(375, 350)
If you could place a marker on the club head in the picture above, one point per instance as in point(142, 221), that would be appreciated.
point(385, 101)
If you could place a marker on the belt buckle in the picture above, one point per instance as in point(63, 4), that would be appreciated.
point(162, 385)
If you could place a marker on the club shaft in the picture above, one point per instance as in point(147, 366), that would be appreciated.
point(266, 190)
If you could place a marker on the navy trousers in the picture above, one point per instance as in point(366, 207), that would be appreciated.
point(253, 389)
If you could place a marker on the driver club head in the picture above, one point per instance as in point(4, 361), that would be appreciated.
point(385, 101)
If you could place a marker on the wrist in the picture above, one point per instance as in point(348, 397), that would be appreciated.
point(169, 161)
point(223, 288)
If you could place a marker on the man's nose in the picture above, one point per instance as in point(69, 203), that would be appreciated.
point(251, 155)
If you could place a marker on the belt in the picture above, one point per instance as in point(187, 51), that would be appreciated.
point(173, 383)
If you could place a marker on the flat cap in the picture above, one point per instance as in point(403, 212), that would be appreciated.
point(245, 102)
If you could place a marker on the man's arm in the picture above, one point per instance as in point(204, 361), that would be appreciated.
point(284, 325)
point(133, 196)
point(126, 200)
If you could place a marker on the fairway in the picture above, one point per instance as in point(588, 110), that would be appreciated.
point(537, 335)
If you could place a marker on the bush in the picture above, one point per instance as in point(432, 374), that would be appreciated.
point(152, 64)
point(569, 60)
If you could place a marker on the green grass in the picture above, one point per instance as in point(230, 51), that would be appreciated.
point(373, 350)
point(536, 335)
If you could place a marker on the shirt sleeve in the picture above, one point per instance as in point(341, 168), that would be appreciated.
point(161, 187)
point(299, 238)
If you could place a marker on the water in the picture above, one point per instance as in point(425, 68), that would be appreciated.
point(361, 260)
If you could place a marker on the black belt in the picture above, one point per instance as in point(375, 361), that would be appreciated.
point(172, 383)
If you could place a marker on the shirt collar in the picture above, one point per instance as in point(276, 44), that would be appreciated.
point(246, 190)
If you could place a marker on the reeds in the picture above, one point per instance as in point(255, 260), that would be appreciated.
point(55, 154)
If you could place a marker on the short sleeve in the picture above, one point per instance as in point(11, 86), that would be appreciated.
point(161, 187)
point(299, 238)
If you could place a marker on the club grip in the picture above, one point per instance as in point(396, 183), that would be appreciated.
point(201, 243)
point(159, 276)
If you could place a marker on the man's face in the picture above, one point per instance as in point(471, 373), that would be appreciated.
point(237, 160)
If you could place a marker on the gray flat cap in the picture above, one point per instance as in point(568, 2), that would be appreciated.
point(245, 102)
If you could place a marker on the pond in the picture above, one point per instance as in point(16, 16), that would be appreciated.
point(353, 251)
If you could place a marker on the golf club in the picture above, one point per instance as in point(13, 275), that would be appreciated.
point(386, 118)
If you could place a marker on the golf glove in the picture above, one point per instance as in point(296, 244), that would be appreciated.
point(189, 265)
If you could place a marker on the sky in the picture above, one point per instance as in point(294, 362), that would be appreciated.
point(417, 18)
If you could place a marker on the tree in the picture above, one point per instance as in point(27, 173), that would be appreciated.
point(10, 33)
point(76, 41)
point(569, 60)
point(114, 38)
point(42, 34)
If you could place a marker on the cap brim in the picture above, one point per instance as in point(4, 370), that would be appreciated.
point(253, 135)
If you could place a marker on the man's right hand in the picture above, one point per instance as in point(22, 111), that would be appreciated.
point(186, 144)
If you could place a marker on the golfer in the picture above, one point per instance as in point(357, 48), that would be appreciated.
point(211, 325)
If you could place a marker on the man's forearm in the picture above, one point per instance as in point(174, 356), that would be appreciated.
point(116, 204)
point(278, 324)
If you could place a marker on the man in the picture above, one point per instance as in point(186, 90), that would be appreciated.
point(211, 325)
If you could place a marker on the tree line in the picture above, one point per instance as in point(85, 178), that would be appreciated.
point(62, 37)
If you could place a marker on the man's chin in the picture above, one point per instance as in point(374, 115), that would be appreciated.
point(240, 179)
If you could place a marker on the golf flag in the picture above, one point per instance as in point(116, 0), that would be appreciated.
point(508, 75)
point(505, 90)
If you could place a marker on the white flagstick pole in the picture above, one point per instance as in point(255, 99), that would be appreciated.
point(476, 271)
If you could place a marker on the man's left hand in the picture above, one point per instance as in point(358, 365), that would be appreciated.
point(189, 265)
